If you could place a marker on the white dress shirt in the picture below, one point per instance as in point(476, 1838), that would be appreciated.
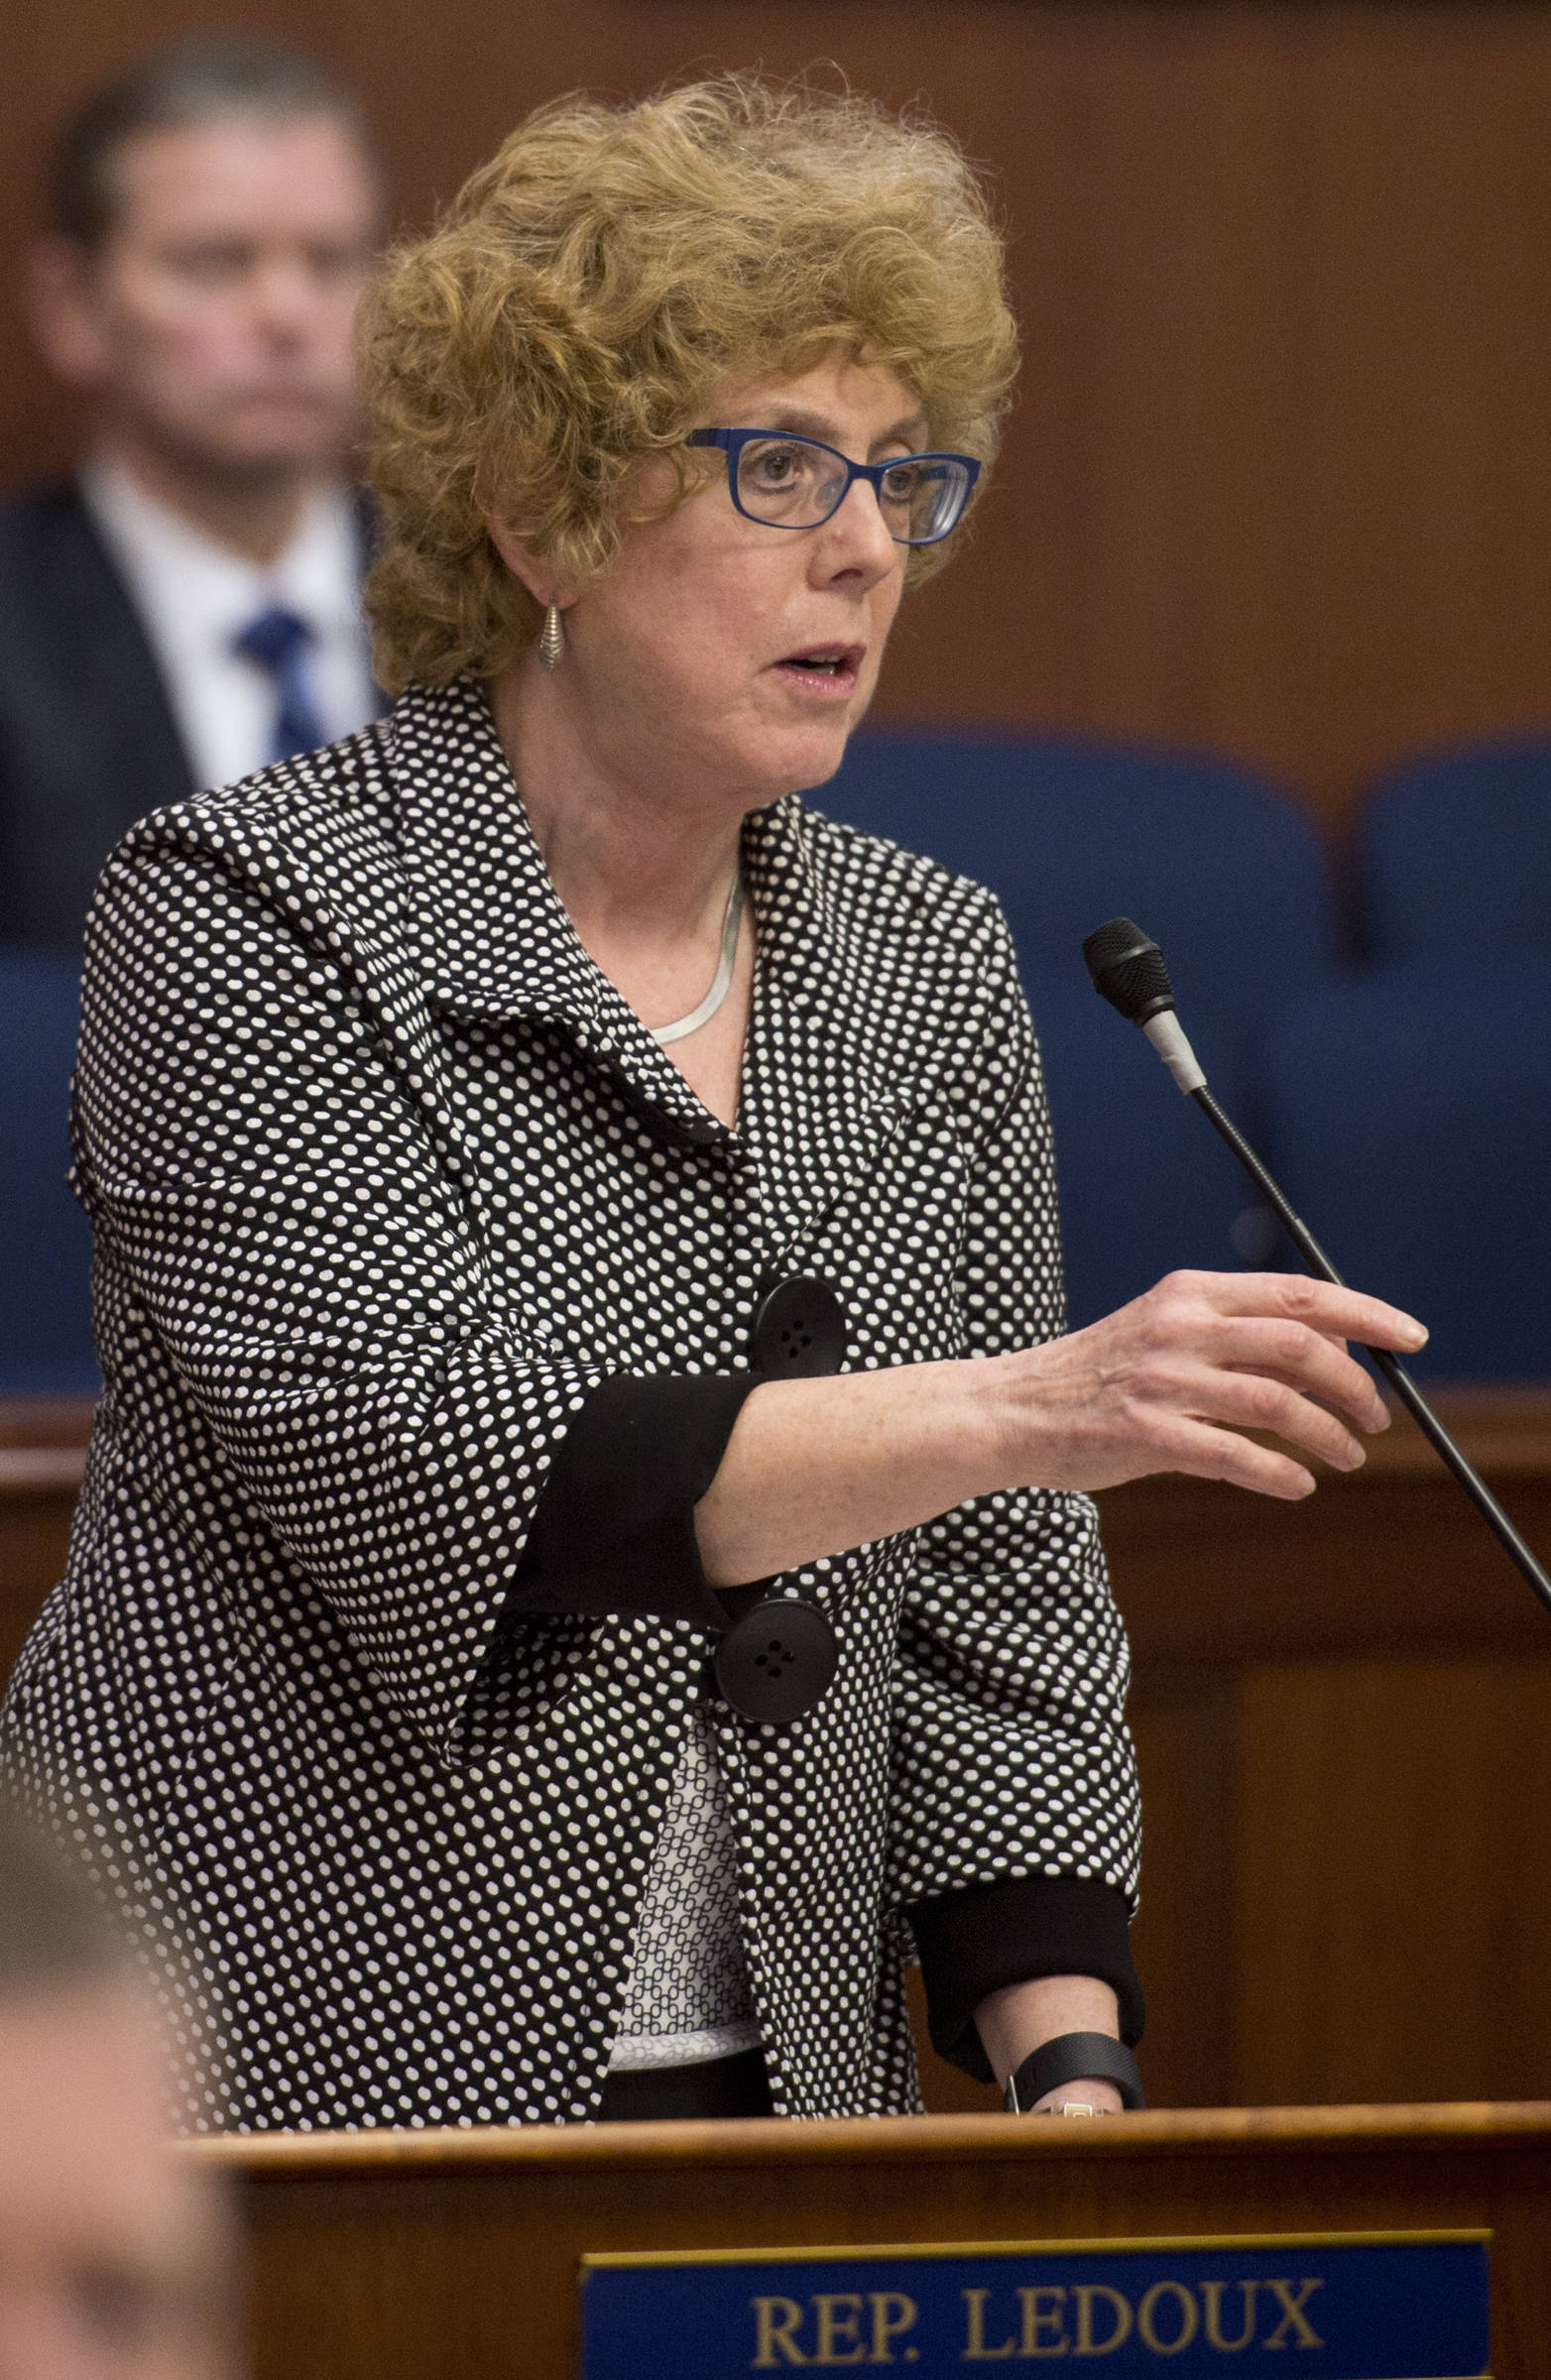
point(196, 595)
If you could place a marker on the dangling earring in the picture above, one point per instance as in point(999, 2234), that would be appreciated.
point(552, 645)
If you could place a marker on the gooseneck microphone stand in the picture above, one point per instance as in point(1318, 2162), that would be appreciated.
point(1128, 971)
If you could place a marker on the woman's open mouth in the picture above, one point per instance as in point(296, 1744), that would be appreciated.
point(823, 669)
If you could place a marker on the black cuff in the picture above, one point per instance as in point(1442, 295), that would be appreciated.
point(976, 1942)
point(614, 1529)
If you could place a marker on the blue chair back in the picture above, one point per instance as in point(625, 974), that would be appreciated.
point(1227, 876)
point(1453, 856)
point(1410, 1126)
point(46, 1346)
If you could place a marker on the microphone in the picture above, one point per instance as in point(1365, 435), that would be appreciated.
point(1128, 971)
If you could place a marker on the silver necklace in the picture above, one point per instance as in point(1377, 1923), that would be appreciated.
point(707, 1007)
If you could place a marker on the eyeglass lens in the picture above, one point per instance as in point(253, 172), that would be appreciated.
point(790, 483)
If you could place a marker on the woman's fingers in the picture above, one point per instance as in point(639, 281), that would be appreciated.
point(1207, 1451)
point(1294, 1297)
point(1242, 1400)
point(1302, 1359)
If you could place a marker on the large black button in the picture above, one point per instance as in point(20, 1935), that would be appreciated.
point(800, 1331)
point(777, 1661)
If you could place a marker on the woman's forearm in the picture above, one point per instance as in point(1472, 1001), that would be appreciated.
point(815, 1467)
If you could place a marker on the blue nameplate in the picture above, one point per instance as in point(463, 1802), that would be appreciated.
point(1406, 2306)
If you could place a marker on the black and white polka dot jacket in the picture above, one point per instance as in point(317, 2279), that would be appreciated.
point(386, 1181)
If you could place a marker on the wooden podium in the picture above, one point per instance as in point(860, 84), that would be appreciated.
point(455, 2255)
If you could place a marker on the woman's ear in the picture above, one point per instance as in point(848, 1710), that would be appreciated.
point(537, 575)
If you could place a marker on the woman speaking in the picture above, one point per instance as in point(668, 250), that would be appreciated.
point(584, 1566)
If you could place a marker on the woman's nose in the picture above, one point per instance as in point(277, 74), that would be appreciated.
point(857, 535)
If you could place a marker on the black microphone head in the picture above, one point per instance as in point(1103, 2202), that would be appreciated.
point(1127, 969)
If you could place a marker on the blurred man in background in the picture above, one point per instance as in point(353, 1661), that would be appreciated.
point(185, 609)
point(115, 2262)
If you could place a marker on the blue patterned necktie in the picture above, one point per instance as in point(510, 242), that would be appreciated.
point(280, 641)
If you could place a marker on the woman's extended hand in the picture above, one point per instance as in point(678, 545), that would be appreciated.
point(1169, 1382)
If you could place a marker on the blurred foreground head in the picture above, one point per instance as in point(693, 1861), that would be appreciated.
point(213, 211)
point(114, 2256)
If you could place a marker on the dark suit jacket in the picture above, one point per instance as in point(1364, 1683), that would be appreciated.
point(88, 744)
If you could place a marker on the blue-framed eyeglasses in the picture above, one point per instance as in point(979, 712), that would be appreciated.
point(787, 482)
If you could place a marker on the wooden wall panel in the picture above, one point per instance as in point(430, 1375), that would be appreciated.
point(1390, 1933)
point(1279, 479)
point(1341, 1714)
point(1185, 1723)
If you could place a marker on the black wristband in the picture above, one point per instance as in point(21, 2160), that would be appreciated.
point(1074, 2058)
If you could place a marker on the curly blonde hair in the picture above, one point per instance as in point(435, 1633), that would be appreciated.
point(592, 286)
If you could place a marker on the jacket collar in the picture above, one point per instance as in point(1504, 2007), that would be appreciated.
point(493, 936)
point(495, 940)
